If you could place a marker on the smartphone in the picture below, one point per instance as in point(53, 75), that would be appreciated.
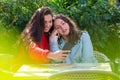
point(66, 52)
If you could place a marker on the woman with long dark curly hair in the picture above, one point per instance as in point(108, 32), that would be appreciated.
point(34, 41)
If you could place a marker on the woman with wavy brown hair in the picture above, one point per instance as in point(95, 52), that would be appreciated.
point(67, 36)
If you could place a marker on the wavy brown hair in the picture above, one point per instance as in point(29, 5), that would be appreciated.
point(75, 33)
point(35, 27)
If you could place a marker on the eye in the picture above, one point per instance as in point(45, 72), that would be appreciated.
point(57, 27)
point(63, 23)
point(50, 21)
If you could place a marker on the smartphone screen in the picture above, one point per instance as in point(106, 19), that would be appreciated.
point(67, 46)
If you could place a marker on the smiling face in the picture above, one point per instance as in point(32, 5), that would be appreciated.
point(48, 22)
point(61, 26)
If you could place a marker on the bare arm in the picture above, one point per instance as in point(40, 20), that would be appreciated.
point(58, 55)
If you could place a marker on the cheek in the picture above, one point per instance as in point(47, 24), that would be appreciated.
point(59, 31)
point(68, 30)
point(67, 33)
point(50, 25)
point(67, 26)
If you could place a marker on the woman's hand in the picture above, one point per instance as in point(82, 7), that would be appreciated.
point(54, 36)
point(58, 55)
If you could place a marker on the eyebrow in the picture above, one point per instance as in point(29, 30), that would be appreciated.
point(57, 26)
point(62, 21)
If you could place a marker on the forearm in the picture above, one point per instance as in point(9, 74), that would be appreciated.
point(53, 41)
point(37, 54)
point(58, 55)
point(54, 46)
point(87, 49)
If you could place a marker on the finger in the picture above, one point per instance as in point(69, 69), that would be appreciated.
point(65, 51)
point(57, 33)
point(63, 58)
point(54, 31)
point(64, 55)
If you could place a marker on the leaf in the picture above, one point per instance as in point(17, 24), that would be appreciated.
point(107, 16)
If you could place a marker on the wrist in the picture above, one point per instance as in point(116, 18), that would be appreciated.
point(53, 38)
point(49, 56)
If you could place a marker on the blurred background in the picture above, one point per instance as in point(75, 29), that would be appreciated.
point(101, 18)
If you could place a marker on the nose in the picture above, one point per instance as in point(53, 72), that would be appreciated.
point(47, 24)
point(62, 27)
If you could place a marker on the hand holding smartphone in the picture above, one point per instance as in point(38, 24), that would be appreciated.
point(65, 51)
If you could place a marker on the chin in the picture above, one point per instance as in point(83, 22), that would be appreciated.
point(66, 34)
point(46, 30)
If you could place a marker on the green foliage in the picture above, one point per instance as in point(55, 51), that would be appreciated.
point(14, 15)
point(18, 12)
point(8, 37)
point(98, 17)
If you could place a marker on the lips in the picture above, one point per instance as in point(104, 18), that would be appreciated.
point(64, 30)
point(46, 28)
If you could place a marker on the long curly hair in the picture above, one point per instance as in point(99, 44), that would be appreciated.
point(35, 27)
point(75, 33)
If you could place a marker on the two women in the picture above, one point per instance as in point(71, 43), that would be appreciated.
point(34, 41)
point(36, 37)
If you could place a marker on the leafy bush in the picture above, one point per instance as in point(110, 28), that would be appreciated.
point(18, 12)
point(15, 14)
point(98, 17)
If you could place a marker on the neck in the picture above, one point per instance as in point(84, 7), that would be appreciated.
point(46, 33)
point(65, 38)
